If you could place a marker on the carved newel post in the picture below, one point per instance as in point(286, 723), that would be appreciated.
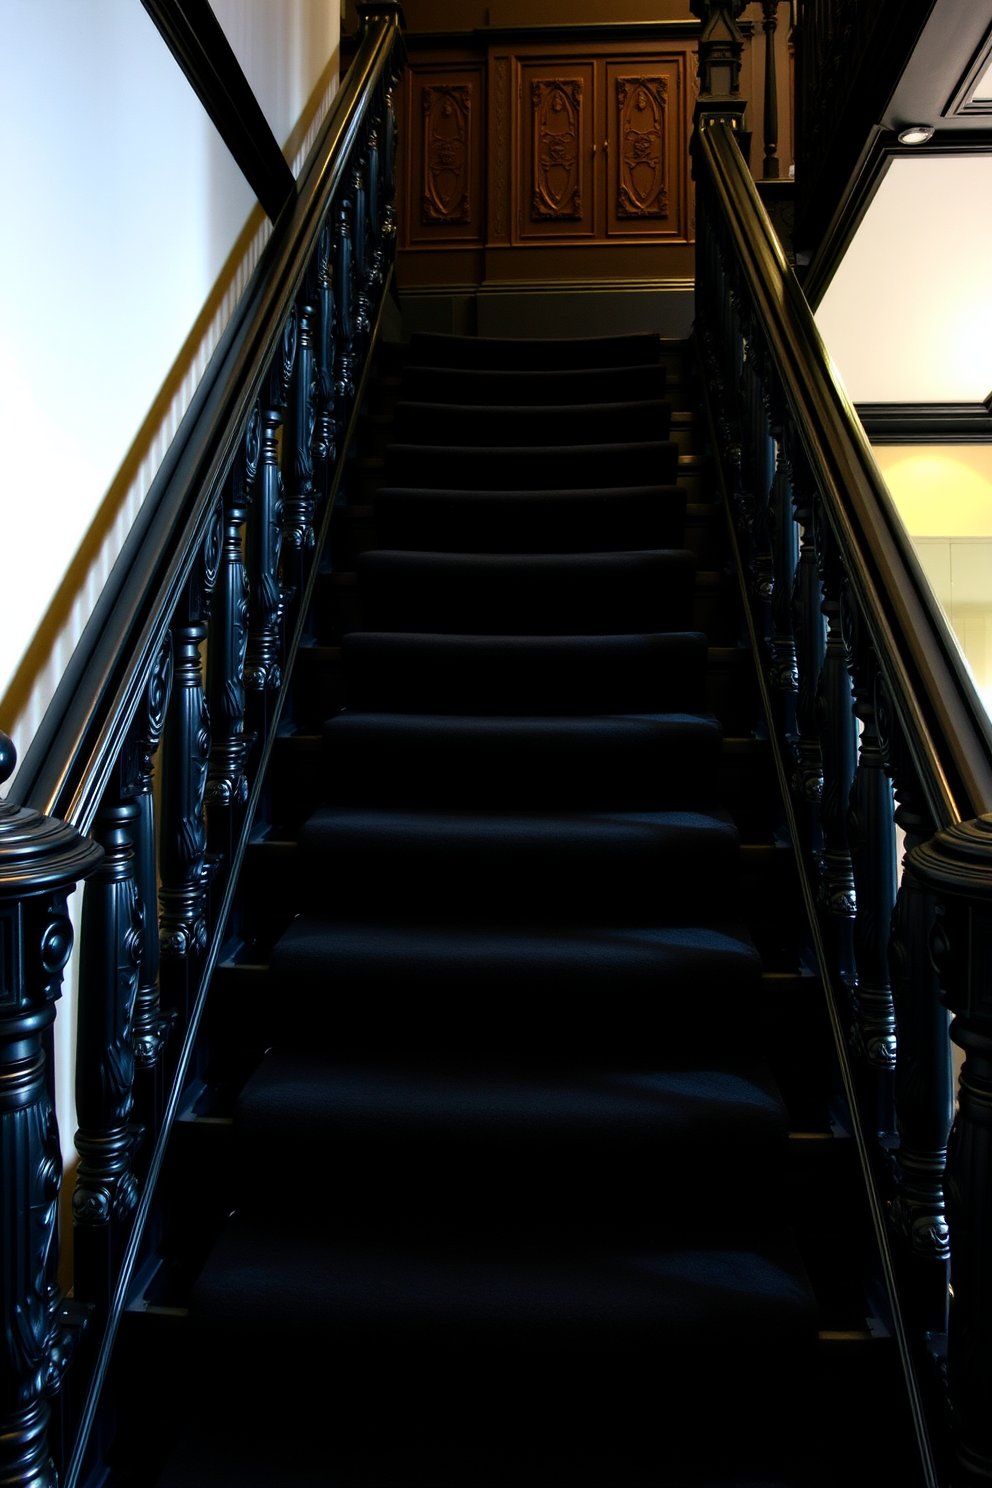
point(956, 867)
point(720, 46)
point(41, 860)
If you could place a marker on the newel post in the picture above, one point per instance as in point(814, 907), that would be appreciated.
point(721, 44)
point(956, 867)
point(41, 861)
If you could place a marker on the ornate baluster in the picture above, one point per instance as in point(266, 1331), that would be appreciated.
point(784, 532)
point(106, 1189)
point(344, 300)
point(325, 427)
point(808, 629)
point(360, 248)
point(924, 1078)
point(186, 752)
point(40, 862)
point(263, 665)
point(389, 173)
point(956, 867)
point(376, 261)
point(227, 782)
point(150, 1027)
point(872, 839)
point(298, 506)
point(838, 733)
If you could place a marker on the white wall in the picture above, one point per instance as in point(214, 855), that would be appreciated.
point(123, 205)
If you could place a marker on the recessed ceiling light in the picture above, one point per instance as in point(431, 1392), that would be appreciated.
point(916, 134)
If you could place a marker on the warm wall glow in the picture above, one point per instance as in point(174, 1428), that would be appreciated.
point(908, 315)
point(940, 490)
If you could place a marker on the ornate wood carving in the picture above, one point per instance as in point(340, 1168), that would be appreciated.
point(40, 860)
point(149, 1026)
point(447, 126)
point(557, 180)
point(106, 1188)
point(183, 837)
point(641, 118)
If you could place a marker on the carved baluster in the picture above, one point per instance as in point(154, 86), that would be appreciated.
point(808, 629)
point(325, 426)
point(376, 261)
point(956, 867)
point(344, 299)
point(263, 665)
point(389, 174)
point(784, 531)
point(872, 839)
point(838, 734)
point(106, 1189)
point(186, 753)
point(150, 1026)
point(298, 505)
point(360, 249)
point(227, 782)
point(40, 862)
point(924, 1078)
point(761, 449)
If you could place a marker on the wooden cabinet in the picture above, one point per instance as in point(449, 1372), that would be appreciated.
point(600, 148)
point(575, 149)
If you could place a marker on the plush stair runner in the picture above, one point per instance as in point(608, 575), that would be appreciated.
point(510, 1197)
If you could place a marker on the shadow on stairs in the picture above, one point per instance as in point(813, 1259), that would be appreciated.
point(490, 1177)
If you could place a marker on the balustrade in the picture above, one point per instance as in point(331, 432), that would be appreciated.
point(221, 573)
point(878, 729)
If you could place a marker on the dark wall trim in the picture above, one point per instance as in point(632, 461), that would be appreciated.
point(193, 35)
point(927, 423)
point(593, 31)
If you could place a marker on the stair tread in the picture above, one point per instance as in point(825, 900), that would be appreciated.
point(555, 424)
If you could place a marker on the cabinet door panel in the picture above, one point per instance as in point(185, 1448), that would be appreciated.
point(555, 181)
point(445, 198)
point(646, 164)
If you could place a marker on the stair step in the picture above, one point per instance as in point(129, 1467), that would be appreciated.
point(507, 354)
point(554, 424)
point(532, 467)
point(580, 521)
point(561, 386)
point(527, 594)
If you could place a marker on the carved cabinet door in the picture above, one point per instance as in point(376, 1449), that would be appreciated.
point(645, 147)
point(556, 185)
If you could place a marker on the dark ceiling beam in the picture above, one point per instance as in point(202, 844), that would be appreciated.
point(194, 37)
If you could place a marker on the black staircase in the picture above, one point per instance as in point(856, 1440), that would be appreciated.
point(538, 1069)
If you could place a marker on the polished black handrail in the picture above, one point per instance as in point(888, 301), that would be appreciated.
point(942, 715)
point(66, 767)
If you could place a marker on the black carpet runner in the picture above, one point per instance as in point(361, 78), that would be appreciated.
point(509, 1207)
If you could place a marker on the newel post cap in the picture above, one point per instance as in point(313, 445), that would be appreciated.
point(38, 854)
point(957, 861)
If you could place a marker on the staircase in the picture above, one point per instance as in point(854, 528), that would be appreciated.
point(512, 1160)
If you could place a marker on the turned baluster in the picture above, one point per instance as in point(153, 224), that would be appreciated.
point(872, 841)
point(344, 300)
point(263, 662)
point(761, 464)
point(784, 533)
point(106, 1190)
point(373, 175)
point(956, 867)
point(227, 780)
point(924, 1076)
point(810, 636)
point(150, 1026)
point(325, 426)
point(389, 173)
point(837, 729)
point(360, 249)
point(186, 753)
point(41, 860)
point(298, 502)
